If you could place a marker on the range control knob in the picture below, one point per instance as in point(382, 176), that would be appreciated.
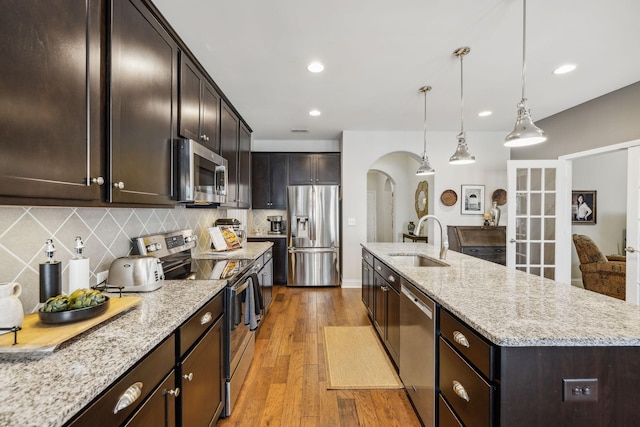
point(190, 239)
point(151, 247)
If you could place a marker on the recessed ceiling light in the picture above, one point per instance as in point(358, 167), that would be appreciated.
point(314, 113)
point(485, 113)
point(564, 69)
point(315, 67)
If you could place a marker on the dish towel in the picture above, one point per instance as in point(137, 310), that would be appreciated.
point(253, 304)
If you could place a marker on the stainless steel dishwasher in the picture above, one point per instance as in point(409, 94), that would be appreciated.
point(417, 350)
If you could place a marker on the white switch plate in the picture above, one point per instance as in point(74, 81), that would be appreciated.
point(351, 221)
point(101, 276)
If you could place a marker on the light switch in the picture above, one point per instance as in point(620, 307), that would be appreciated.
point(351, 221)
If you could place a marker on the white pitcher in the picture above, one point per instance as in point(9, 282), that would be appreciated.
point(11, 311)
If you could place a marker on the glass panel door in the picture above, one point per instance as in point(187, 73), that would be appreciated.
point(633, 225)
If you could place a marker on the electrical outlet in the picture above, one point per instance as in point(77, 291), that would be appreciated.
point(101, 277)
point(580, 389)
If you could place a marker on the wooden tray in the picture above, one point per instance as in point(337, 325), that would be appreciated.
point(36, 336)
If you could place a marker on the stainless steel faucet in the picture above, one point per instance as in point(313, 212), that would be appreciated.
point(444, 240)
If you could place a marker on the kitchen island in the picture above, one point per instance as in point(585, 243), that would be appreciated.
point(536, 334)
point(48, 389)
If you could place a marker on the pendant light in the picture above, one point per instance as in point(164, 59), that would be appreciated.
point(425, 168)
point(462, 156)
point(525, 132)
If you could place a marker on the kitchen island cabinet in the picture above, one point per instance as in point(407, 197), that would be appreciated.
point(530, 356)
point(386, 312)
point(50, 118)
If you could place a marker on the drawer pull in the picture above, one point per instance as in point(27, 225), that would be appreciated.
point(175, 392)
point(460, 338)
point(206, 318)
point(378, 268)
point(128, 397)
point(460, 391)
point(391, 279)
point(188, 376)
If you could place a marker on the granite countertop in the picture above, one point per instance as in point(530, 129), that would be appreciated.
point(47, 389)
point(249, 250)
point(515, 309)
point(266, 235)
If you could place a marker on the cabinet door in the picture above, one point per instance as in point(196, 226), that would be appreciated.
point(244, 168)
point(209, 108)
point(301, 169)
point(392, 336)
point(279, 261)
point(266, 284)
point(379, 304)
point(189, 99)
point(327, 169)
point(202, 382)
point(50, 121)
point(367, 287)
point(279, 176)
point(260, 181)
point(160, 408)
point(229, 138)
point(142, 106)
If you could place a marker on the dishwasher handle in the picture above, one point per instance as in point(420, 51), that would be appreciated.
point(422, 306)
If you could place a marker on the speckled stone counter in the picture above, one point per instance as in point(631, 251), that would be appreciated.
point(249, 250)
point(48, 389)
point(516, 309)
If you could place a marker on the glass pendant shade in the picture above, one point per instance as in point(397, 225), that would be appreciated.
point(525, 132)
point(462, 156)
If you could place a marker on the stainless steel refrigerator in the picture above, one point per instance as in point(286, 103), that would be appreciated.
point(313, 235)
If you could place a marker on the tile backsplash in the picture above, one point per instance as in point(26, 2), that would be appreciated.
point(106, 232)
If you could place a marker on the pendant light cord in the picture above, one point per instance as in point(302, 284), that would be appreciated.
point(424, 130)
point(524, 45)
point(461, 97)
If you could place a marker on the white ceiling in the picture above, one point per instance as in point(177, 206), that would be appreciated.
point(378, 53)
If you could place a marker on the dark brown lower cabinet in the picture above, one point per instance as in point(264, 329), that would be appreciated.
point(386, 311)
point(279, 251)
point(202, 383)
point(160, 408)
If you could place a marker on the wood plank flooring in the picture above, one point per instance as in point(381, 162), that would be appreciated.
point(287, 385)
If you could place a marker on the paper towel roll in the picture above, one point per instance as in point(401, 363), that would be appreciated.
point(78, 274)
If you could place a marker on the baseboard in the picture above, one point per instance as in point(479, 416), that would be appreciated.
point(577, 283)
point(351, 283)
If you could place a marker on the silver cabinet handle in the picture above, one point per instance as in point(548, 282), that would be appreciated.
point(188, 376)
point(460, 338)
point(391, 279)
point(384, 288)
point(118, 185)
point(98, 180)
point(128, 397)
point(378, 268)
point(512, 240)
point(460, 391)
point(630, 249)
point(175, 392)
point(206, 318)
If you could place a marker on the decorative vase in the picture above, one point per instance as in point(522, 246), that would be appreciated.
point(495, 214)
point(411, 227)
point(11, 311)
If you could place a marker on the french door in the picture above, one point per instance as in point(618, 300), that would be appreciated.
point(539, 218)
point(633, 224)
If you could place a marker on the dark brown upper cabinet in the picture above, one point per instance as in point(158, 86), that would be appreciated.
point(235, 146)
point(314, 169)
point(269, 180)
point(50, 118)
point(199, 106)
point(143, 112)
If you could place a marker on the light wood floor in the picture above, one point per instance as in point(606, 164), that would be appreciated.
point(286, 384)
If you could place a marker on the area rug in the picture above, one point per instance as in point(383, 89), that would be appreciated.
point(355, 359)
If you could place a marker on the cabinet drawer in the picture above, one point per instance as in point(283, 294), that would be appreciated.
point(160, 408)
point(479, 352)
point(197, 324)
point(458, 379)
point(141, 379)
point(390, 276)
point(367, 257)
point(446, 417)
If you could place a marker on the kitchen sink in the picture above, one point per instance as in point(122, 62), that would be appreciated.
point(417, 260)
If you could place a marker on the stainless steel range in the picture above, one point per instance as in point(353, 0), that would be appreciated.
point(242, 297)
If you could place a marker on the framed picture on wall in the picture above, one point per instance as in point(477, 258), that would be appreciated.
point(583, 207)
point(472, 200)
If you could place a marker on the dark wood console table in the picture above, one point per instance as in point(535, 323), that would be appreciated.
point(482, 242)
point(415, 238)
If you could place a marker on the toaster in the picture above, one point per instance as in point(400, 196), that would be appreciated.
point(136, 273)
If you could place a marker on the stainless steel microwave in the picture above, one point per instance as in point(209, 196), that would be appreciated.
point(200, 175)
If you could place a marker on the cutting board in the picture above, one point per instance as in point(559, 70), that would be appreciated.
point(36, 336)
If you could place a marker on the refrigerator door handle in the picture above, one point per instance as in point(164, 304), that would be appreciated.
point(312, 250)
point(312, 225)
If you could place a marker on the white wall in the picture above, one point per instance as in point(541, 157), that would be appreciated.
point(360, 150)
point(610, 182)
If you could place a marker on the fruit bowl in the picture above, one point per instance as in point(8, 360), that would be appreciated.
point(76, 315)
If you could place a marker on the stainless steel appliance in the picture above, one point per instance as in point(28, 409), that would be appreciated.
point(277, 226)
point(174, 251)
point(417, 351)
point(136, 273)
point(313, 235)
point(200, 175)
